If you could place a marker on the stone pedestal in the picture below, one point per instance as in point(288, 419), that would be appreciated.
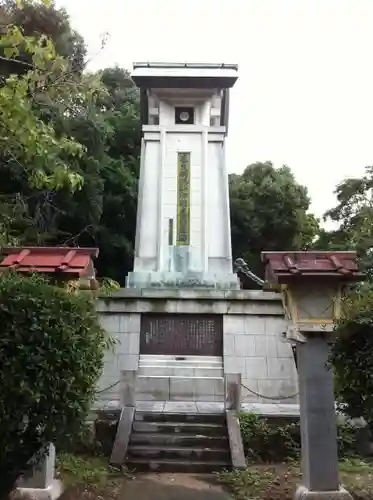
point(318, 422)
point(40, 484)
point(304, 493)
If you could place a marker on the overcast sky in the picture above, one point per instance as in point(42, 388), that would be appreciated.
point(305, 91)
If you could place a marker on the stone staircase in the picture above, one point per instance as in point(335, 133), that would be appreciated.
point(178, 442)
point(180, 378)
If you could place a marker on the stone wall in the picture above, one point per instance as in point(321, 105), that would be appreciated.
point(254, 346)
point(253, 338)
point(124, 328)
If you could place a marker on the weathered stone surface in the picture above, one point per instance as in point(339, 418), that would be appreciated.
point(317, 416)
point(122, 437)
point(235, 441)
point(304, 493)
point(52, 492)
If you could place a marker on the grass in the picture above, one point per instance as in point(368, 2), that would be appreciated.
point(279, 481)
point(89, 478)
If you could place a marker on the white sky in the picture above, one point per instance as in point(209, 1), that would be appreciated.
point(305, 91)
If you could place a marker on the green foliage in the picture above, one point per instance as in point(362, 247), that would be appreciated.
point(280, 481)
point(247, 484)
point(81, 197)
point(103, 212)
point(354, 216)
point(37, 19)
point(269, 211)
point(24, 138)
point(346, 440)
point(77, 469)
point(51, 355)
point(352, 354)
point(266, 441)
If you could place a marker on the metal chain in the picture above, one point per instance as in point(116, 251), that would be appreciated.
point(109, 387)
point(274, 398)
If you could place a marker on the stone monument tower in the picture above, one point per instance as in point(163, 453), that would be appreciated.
point(183, 236)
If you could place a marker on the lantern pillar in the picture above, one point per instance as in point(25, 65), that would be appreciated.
point(311, 284)
point(317, 416)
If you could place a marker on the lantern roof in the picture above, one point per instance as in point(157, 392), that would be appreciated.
point(285, 267)
point(66, 262)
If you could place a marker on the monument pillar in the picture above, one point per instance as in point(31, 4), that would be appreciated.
point(183, 234)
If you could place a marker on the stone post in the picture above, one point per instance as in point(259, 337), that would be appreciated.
point(232, 382)
point(40, 484)
point(318, 422)
point(312, 284)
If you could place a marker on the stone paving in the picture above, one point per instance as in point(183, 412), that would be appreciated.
point(154, 486)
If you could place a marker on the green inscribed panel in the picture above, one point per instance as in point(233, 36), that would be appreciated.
point(183, 199)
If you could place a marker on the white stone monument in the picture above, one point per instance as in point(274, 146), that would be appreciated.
point(183, 236)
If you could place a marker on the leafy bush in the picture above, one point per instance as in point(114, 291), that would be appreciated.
point(266, 441)
point(352, 355)
point(51, 355)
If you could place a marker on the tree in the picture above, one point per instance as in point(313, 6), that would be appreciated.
point(99, 114)
point(24, 138)
point(354, 216)
point(51, 355)
point(269, 211)
point(36, 152)
point(103, 212)
point(352, 358)
point(42, 19)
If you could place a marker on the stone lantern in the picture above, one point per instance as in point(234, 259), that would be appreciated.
point(312, 285)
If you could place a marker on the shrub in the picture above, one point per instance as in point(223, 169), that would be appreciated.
point(266, 441)
point(51, 355)
point(352, 355)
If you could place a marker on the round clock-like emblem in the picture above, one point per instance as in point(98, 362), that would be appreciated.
point(184, 116)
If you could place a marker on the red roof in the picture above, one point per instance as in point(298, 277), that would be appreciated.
point(65, 261)
point(283, 267)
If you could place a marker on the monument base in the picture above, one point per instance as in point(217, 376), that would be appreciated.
point(304, 493)
point(52, 492)
point(199, 280)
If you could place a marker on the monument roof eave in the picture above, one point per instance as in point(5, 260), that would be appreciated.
point(184, 75)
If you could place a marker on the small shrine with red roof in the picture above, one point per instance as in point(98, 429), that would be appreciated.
point(64, 263)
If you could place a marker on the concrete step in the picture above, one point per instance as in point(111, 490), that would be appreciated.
point(179, 440)
point(180, 370)
point(169, 359)
point(196, 418)
point(177, 465)
point(174, 452)
point(207, 429)
point(177, 388)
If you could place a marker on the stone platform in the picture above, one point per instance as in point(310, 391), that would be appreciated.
point(254, 347)
point(266, 410)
